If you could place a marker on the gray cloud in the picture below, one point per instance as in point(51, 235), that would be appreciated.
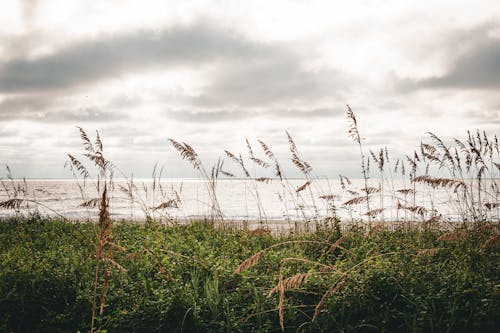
point(88, 114)
point(278, 77)
point(478, 69)
point(20, 45)
point(242, 72)
point(242, 114)
point(110, 57)
point(48, 108)
point(314, 113)
point(14, 105)
point(210, 116)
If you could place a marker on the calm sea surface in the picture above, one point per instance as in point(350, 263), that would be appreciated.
point(238, 199)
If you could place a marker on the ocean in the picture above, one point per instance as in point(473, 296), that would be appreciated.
point(239, 199)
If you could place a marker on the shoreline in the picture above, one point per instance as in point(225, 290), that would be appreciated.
point(276, 226)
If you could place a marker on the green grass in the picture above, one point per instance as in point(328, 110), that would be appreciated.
point(182, 279)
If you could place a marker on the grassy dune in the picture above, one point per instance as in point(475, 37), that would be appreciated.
point(189, 279)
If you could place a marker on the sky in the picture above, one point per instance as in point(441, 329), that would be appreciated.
point(212, 73)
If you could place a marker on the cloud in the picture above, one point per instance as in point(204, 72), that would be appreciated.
point(87, 114)
point(100, 59)
point(484, 116)
point(242, 114)
point(29, 10)
point(279, 77)
point(213, 86)
point(475, 62)
point(478, 69)
point(14, 105)
point(310, 113)
point(239, 71)
point(209, 116)
point(40, 109)
point(7, 133)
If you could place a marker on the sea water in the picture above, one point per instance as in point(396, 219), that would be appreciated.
point(238, 199)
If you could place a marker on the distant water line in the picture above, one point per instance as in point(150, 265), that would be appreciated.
point(236, 197)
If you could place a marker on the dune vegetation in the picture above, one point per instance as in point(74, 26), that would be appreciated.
point(199, 278)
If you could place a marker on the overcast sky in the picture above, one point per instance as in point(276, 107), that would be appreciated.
point(212, 73)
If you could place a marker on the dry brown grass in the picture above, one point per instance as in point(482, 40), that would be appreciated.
point(105, 248)
point(249, 262)
point(292, 282)
point(333, 289)
point(453, 235)
point(428, 252)
point(254, 259)
point(492, 241)
point(303, 186)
